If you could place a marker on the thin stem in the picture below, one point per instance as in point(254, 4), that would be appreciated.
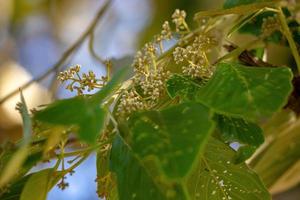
point(70, 169)
point(289, 37)
point(240, 10)
point(235, 53)
point(65, 55)
point(92, 49)
point(86, 150)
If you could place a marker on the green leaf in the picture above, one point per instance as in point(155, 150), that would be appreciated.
point(173, 137)
point(111, 86)
point(106, 187)
point(239, 130)
point(40, 183)
point(14, 191)
point(81, 111)
point(27, 126)
point(247, 92)
point(77, 111)
point(13, 166)
point(18, 180)
point(32, 182)
point(247, 134)
point(179, 85)
point(218, 178)
point(244, 153)
point(135, 180)
point(243, 21)
point(233, 3)
point(254, 26)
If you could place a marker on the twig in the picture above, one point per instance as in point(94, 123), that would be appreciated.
point(243, 9)
point(65, 55)
point(286, 31)
point(92, 50)
point(238, 51)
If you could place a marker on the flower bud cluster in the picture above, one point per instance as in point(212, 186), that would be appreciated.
point(140, 62)
point(178, 19)
point(130, 101)
point(205, 42)
point(196, 71)
point(194, 56)
point(87, 81)
point(69, 73)
point(153, 85)
point(166, 32)
point(149, 76)
point(270, 24)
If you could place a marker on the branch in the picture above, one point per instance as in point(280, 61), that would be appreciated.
point(287, 33)
point(65, 55)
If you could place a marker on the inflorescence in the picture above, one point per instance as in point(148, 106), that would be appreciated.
point(80, 83)
point(270, 25)
point(150, 75)
point(194, 56)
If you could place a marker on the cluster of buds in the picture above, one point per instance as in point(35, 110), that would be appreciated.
point(69, 73)
point(149, 76)
point(145, 59)
point(87, 81)
point(181, 54)
point(130, 101)
point(139, 62)
point(166, 34)
point(196, 71)
point(194, 56)
point(62, 184)
point(105, 183)
point(178, 18)
point(270, 25)
point(153, 85)
point(150, 52)
point(205, 42)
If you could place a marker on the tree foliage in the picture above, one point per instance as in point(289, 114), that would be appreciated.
point(167, 132)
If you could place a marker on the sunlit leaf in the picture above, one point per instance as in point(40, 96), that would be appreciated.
point(247, 92)
point(40, 183)
point(135, 180)
point(75, 111)
point(174, 136)
point(53, 138)
point(14, 190)
point(182, 86)
point(13, 166)
point(218, 178)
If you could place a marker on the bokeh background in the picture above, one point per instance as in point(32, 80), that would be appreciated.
point(35, 33)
